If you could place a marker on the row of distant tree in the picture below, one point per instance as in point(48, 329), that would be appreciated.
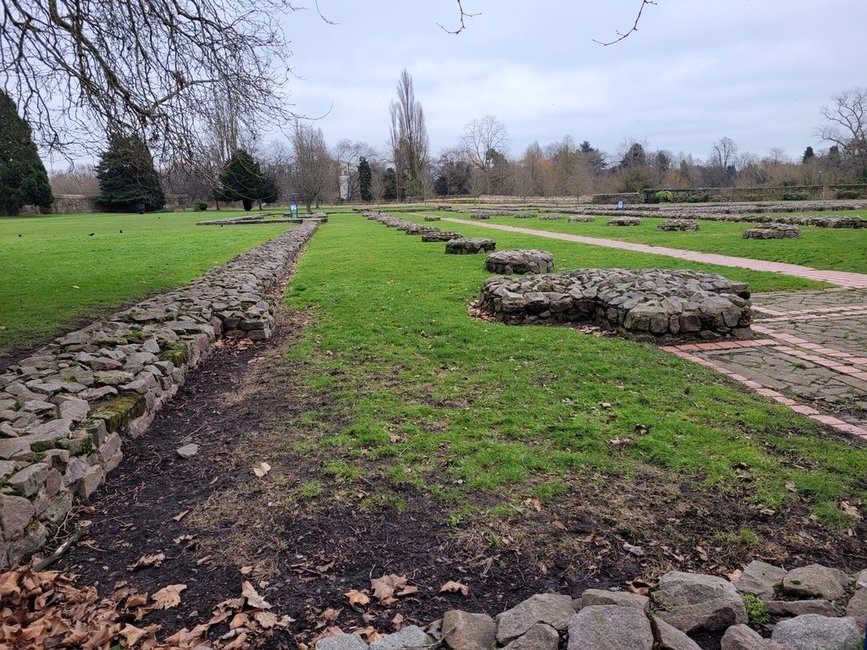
point(234, 166)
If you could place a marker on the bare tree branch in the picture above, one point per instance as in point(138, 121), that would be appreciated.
point(634, 28)
point(162, 69)
point(463, 16)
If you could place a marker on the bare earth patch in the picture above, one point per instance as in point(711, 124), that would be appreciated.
point(306, 538)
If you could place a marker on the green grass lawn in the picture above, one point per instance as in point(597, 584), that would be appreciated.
point(59, 268)
point(482, 416)
point(570, 255)
point(821, 248)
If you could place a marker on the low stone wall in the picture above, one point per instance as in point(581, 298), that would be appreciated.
point(65, 410)
point(428, 233)
point(678, 225)
point(440, 235)
point(520, 262)
point(646, 304)
point(806, 607)
point(773, 231)
point(581, 219)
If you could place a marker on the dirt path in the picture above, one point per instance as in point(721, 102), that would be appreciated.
point(846, 279)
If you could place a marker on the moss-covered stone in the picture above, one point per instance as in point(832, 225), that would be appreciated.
point(77, 445)
point(120, 411)
point(177, 353)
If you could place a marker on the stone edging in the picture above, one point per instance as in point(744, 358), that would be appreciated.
point(808, 607)
point(65, 409)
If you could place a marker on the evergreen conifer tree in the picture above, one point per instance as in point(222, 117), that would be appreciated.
point(23, 180)
point(242, 180)
point(128, 181)
point(365, 179)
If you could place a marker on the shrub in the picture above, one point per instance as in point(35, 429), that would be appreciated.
point(200, 205)
point(847, 194)
point(795, 196)
point(664, 196)
point(698, 196)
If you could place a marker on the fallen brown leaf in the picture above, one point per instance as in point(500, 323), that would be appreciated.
point(385, 587)
point(261, 469)
point(254, 600)
point(451, 585)
point(147, 561)
point(167, 597)
point(357, 597)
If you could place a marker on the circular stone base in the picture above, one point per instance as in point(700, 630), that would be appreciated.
point(773, 231)
point(520, 262)
point(470, 246)
point(624, 221)
point(678, 224)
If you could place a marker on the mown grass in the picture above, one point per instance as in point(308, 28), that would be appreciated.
point(429, 397)
point(60, 268)
point(821, 248)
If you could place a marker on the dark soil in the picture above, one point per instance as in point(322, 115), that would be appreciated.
point(305, 550)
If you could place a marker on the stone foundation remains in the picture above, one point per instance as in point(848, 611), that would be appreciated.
point(773, 231)
point(678, 224)
point(551, 217)
point(520, 262)
point(470, 246)
point(624, 221)
point(646, 304)
point(65, 410)
point(581, 219)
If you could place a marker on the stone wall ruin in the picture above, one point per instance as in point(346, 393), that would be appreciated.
point(645, 304)
point(66, 409)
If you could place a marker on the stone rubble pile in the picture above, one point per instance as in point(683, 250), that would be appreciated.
point(678, 224)
point(470, 246)
point(646, 304)
point(519, 262)
point(782, 615)
point(773, 231)
point(624, 221)
point(65, 409)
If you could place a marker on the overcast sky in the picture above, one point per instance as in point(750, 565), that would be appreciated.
point(757, 71)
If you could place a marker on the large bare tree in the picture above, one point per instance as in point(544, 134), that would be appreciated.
point(847, 128)
point(409, 141)
point(312, 166)
point(163, 69)
point(483, 140)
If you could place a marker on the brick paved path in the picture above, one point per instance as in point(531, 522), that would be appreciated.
point(810, 353)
